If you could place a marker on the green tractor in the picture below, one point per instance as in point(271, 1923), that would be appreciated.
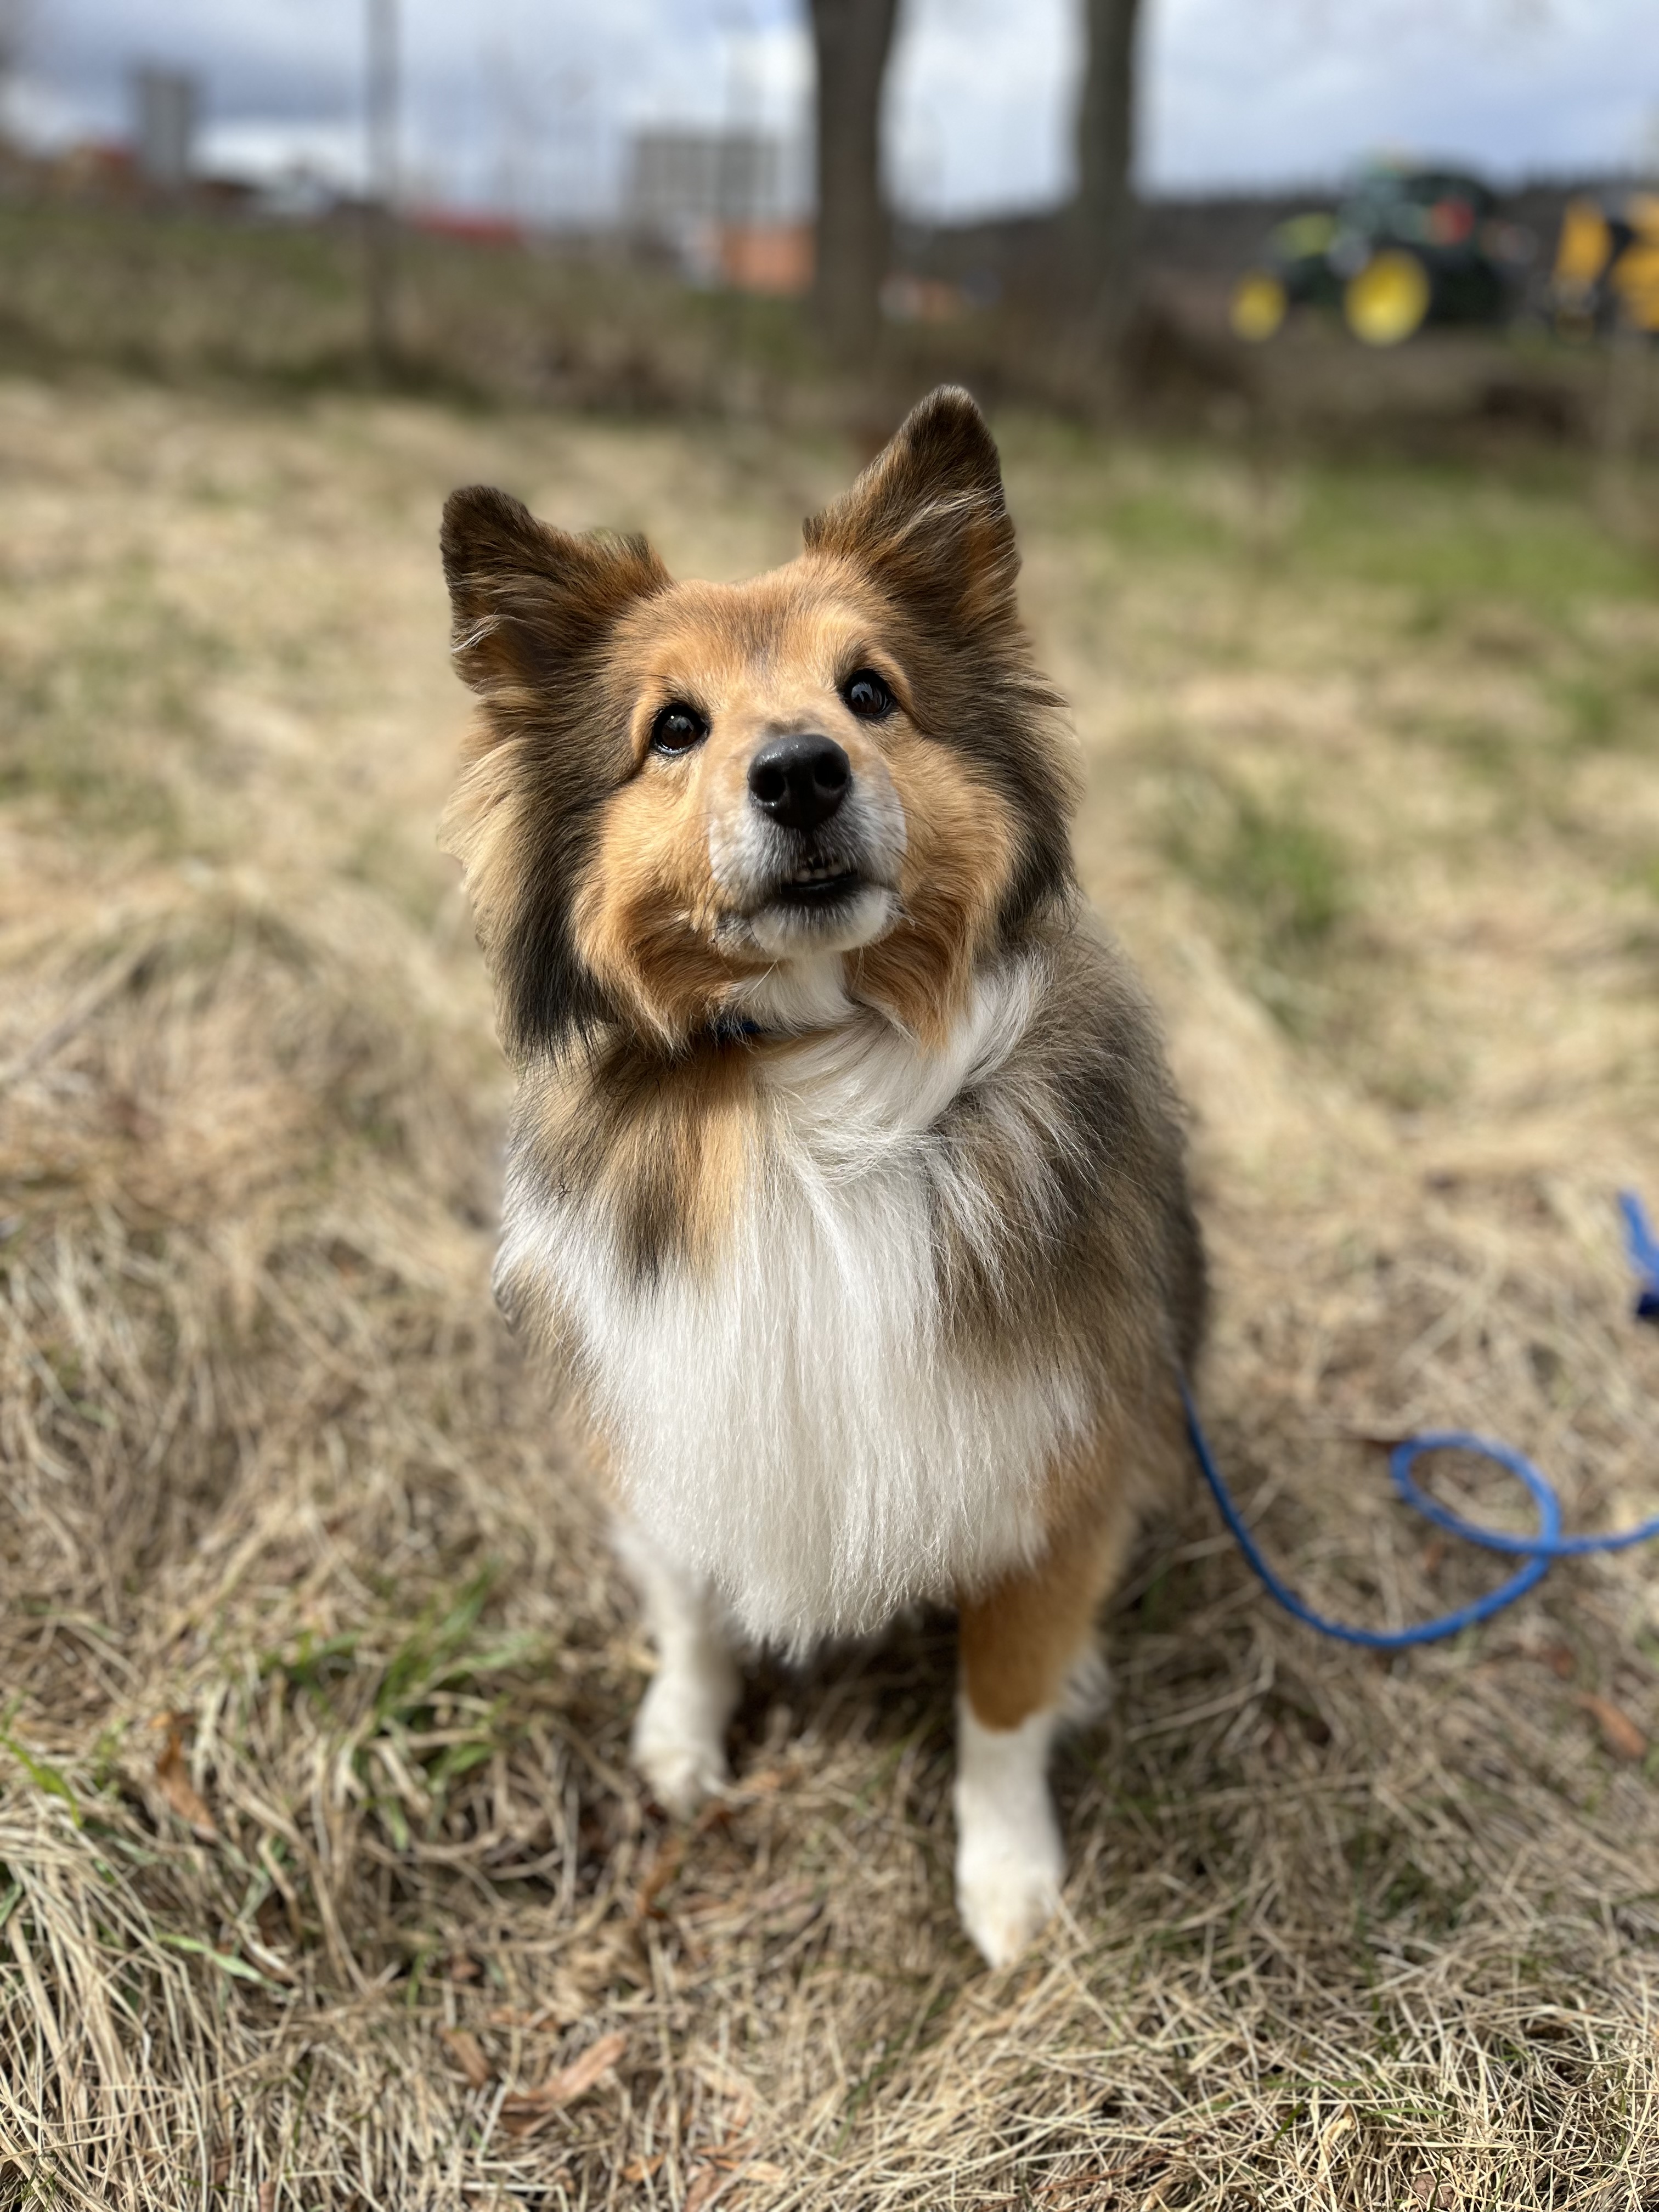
point(1408, 246)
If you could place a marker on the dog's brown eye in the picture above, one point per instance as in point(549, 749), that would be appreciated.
point(677, 729)
point(867, 695)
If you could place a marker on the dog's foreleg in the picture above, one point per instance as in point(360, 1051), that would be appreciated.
point(1025, 1643)
point(679, 1732)
point(1009, 1856)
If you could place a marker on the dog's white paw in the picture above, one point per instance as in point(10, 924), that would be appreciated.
point(679, 1731)
point(678, 1736)
point(1008, 1885)
point(1010, 1858)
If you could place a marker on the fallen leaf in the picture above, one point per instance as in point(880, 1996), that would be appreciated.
point(1619, 1732)
point(172, 1776)
point(525, 2110)
point(1562, 1663)
point(641, 2169)
point(763, 1781)
point(737, 2159)
point(664, 1865)
point(703, 2184)
point(467, 2051)
point(582, 2072)
point(521, 2117)
point(530, 2022)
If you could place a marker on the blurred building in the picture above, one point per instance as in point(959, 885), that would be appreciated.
point(730, 206)
point(166, 111)
point(676, 176)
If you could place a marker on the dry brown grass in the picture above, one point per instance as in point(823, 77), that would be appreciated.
point(321, 1873)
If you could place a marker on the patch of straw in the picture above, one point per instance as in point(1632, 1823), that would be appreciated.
point(323, 1880)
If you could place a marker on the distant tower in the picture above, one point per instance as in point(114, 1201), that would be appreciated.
point(166, 104)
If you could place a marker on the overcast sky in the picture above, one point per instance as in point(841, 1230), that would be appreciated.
point(527, 103)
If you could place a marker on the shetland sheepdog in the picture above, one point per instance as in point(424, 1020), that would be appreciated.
point(846, 1185)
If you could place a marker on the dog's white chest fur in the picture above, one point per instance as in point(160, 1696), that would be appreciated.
point(791, 1423)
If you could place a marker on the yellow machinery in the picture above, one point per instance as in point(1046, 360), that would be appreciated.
point(1606, 266)
point(1389, 298)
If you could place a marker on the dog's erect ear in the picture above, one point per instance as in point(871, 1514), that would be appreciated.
point(535, 609)
point(927, 524)
point(528, 599)
point(928, 519)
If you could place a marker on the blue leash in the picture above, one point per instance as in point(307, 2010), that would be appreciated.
point(1537, 1550)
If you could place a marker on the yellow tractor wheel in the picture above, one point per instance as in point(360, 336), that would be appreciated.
point(1388, 301)
point(1259, 306)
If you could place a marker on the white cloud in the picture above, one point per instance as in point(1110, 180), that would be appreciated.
point(268, 153)
point(1271, 94)
point(979, 103)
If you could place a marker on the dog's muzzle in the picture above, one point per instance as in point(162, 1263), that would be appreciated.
point(812, 861)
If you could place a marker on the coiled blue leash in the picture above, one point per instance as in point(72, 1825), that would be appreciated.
point(1546, 1545)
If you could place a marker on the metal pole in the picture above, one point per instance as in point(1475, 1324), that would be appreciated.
point(379, 265)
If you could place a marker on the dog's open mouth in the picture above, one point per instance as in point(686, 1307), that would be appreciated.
point(811, 895)
point(817, 885)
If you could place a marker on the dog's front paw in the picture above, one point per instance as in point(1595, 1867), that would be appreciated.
point(678, 1741)
point(1008, 1883)
point(1009, 1855)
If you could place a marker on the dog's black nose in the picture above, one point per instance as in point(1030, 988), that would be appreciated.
point(799, 781)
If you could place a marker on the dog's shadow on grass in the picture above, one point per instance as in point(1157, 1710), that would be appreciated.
point(892, 1695)
point(894, 1687)
point(898, 1687)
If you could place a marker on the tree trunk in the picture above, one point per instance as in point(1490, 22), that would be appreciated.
point(853, 39)
point(1103, 214)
